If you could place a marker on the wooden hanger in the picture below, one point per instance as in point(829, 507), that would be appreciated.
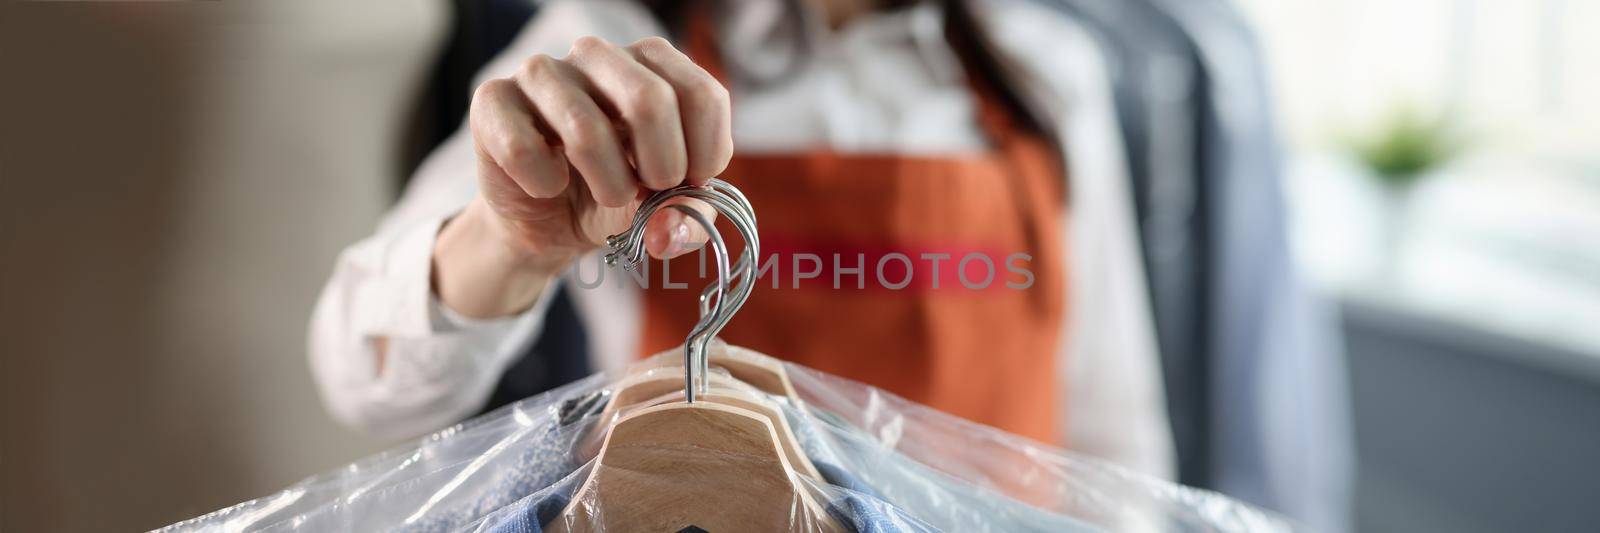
point(710, 466)
point(659, 385)
point(694, 465)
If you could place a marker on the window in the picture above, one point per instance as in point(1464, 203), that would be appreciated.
point(1504, 235)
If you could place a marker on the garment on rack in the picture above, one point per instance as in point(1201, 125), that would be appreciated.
point(878, 452)
point(863, 509)
point(1280, 430)
point(1112, 368)
point(533, 512)
point(441, 481)
point(1238, 331)
point(545, 458)
point(828, 440)
point(1156, 79)
point(1013, 485)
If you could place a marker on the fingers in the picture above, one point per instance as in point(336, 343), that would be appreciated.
point(670, 233)
point(503, 128)
point(644, 102)
point(593, 110)
point(702, 104)
point(587, 137)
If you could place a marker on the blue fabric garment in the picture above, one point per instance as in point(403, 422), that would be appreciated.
point(849, 459)
point(857, 514)
point(862, 508)
point(542, 461)
point(530, 514)
point(1256, 382)
point(1280, 434)
point(1156, 80)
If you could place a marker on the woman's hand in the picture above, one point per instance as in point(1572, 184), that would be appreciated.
point(567, 149)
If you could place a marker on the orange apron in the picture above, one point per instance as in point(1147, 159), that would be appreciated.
point(986, 354)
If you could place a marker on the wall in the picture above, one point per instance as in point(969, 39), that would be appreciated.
point(1463, 431)
point(175, 181)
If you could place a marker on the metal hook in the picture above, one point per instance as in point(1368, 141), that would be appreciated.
point(718, 302)
point(695, 344)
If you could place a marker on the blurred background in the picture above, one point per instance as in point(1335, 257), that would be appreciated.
point(176, 179)
point(1444, 185)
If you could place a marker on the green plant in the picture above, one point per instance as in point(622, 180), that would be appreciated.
point(1406, 145)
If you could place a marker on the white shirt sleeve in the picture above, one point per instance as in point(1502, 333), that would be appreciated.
point(389, 358)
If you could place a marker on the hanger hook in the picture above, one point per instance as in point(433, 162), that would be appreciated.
point(718, 301)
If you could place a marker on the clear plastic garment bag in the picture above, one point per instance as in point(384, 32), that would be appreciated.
point(716, 438)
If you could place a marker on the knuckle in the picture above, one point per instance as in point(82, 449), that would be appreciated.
point(481, 97)
point(588, 45)
point(492, 91)
point(538, 65)
point(707, 91)
point(654, 43)
point(482, 108)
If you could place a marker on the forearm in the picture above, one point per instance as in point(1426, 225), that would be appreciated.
point(387, 356)
point(479, 272)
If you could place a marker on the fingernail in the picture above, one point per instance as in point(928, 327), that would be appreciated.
point(680, 240)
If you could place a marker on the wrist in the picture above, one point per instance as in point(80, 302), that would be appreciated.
point(479, 270)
